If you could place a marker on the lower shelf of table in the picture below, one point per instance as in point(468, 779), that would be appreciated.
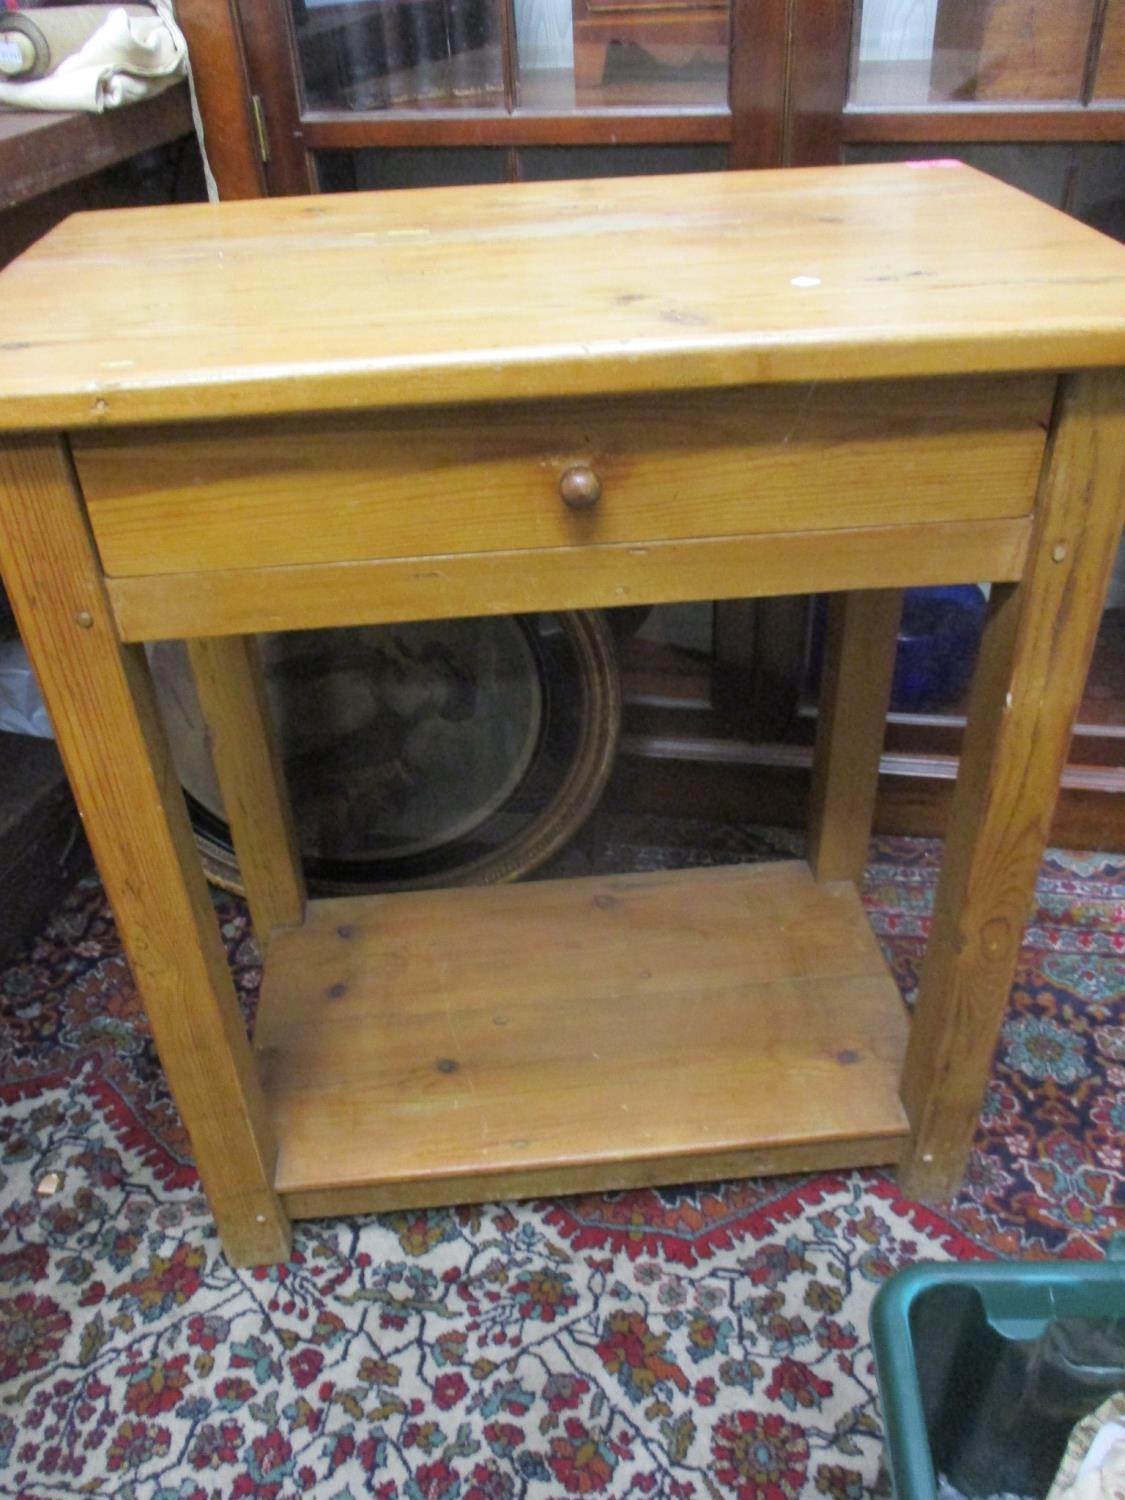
point(568, 1036)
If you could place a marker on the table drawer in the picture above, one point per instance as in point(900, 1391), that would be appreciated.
point(482, 479)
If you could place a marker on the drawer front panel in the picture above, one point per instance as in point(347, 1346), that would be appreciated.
point(470, 479)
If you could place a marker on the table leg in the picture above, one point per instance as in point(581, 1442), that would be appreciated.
point(228, 679)
point(1029, 682)
point(109, 732)
point(859, 660)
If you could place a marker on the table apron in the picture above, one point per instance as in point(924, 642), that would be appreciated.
point(470, 481)
point(368, 592)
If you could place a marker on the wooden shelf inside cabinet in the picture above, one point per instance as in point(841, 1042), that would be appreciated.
point(555, 90)
point(547, 116)
point(684, 1026)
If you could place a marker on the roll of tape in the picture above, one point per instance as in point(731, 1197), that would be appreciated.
point(37, 46)
point(25, 50)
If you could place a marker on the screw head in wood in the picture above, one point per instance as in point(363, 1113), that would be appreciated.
point(84, 619)
point(579, 487)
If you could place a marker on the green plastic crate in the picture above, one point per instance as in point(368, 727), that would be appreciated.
point(984, 1368)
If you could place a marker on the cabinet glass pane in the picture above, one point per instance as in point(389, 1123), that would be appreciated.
point(376, 168)
point(549, 55)
point(603, 54)
point(1110, 81)
point(388, 54)
point(1098, 198)
point(910, 52)
point(1099, 188)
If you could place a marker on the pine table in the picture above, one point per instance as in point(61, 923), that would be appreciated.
point(293, 414)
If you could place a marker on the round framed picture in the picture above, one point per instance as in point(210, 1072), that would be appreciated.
point(431, 753)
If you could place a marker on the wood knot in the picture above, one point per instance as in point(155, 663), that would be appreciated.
point(447, 1065)
point(337, 991)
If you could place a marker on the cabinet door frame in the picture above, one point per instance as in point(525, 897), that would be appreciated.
point(1086, 118)
point(260, 33)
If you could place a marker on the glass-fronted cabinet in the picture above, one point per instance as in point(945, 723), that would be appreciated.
point(368, 55)
point(490, 83)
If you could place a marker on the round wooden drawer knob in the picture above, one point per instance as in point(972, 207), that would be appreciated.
point(580, 487)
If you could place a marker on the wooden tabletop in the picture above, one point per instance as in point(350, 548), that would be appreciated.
point(549, 289)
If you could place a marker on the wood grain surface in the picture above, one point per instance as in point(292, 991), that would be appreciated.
point(855, 693)
point(1029, 681)
point(243, 743)
point(478, 479)
point(584, 576)
point(1010, 49)
point(113, 745)
point(41, 150)
point(596, 1176)
point(549, 289)
point(605, 1022)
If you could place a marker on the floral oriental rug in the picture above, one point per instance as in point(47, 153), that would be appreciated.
point(708, 1342)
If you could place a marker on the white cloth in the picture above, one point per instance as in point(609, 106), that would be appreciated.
point(128, 58)
point(1093, 1467)
point(1102, 1475)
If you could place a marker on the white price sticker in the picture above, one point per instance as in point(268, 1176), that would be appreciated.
point(13, 55)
